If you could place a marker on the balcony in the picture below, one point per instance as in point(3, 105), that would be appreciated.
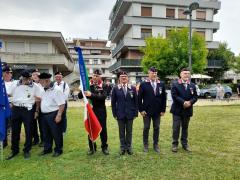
point(125, 64)
point(214, 64)
point(38, 58)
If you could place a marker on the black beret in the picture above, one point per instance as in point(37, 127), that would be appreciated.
point(26, 74)
point(35, 70)
point(58, 73)
point(7, 69)
point(97, 71)
point(153, 69)
point(45, 76)
point(184, 69)
point(122, 73)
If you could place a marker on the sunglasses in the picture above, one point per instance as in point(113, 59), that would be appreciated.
point(8, 72)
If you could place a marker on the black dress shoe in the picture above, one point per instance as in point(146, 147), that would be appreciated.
point(174, 148)
point(12, 155)
point(130, 152)
point(186, 148)
point(26, 155)
point(56, 154)
point(105, 151)
point(122, 152)
point(90, 152)
point(45, 152)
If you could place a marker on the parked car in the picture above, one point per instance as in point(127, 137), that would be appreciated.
point(211, 91)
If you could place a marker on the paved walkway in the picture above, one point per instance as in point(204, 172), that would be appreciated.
point(200, 102)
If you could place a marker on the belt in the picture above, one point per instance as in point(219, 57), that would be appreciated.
point(48, 113)
point(20, 107)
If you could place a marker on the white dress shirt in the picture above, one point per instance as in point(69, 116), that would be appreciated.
point(66, 91)
point(51, 99)
point(24, 95)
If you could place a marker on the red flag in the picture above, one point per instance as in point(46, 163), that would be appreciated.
point(91, 122)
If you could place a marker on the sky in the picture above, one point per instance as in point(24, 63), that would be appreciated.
point(90, 18)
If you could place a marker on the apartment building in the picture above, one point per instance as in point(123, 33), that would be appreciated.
point(96, 55)
point(133, 21)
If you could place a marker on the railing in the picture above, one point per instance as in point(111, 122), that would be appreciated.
point(214, 63)
point(125, 63)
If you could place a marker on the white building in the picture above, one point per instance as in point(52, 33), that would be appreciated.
point(45, 50)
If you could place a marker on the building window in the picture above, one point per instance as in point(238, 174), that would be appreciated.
point(145, 33)
point(146, 11)
point(95, 61)
point(38, 48)
point(103, 61)
point(181, 15)
point(16, 47)
point(82, 43)
point(170, 13)
point(86, 61)
point(201, 33)
point(103, 71)
point(201, 15)
point(168, 32)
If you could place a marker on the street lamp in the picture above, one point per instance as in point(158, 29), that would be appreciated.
point(192, 6)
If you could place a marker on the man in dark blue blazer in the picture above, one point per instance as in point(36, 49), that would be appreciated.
point(152, 105)
point(184, 95)
point(124, 109)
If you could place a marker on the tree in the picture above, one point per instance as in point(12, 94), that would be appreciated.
point(227, 58)
point(236, 65)
point(169, 55)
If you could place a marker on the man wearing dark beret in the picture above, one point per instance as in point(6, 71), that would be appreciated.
point(125, 110)
point(52, 107)
point(152, 106)
point(184, 95)
point(24, 95)
point(98, 95)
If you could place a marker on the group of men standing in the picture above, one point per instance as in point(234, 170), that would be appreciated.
point(34, 98)
point(37, 103)
point(150, 101)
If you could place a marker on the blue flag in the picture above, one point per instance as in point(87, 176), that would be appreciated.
point(4, 106)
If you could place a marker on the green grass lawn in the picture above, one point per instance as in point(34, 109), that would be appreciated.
point(214, 137)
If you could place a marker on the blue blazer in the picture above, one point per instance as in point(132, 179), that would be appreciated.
point(179, 95)
point(124, 107)
point(152, 104)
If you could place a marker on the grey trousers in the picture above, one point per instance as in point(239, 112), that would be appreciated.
point(125, 133)
point(180, 121)
point(156, 129)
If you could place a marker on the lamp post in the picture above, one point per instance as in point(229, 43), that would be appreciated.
point(192, 6)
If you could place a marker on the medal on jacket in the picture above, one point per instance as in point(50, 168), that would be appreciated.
point(131, 94)
point(191, 89)
point(160, 90)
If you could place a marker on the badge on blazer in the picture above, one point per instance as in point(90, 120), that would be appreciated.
point(131, 94)
point(160, 90)
point(191, 89)
point(29, 95)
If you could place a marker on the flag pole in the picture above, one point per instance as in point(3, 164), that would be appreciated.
point(1, 149)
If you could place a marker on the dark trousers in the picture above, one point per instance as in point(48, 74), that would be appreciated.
point(64, 119)
point(156, 129)
point(37, 124)
point(180, 121)
point(19, 116)
point(52, 131)
point(102, 118)
point(5, 141)
point(125, 133)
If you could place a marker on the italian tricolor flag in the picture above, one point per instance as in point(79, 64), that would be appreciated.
point(91, 122)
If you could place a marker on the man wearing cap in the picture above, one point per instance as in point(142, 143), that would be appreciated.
point(65, 89)
point(184, 95)
point(7, 77)
point(124, 109)
point(52, 107)
point(98, 95)
point(24, 95)
point(152, 105)
point(36, 123)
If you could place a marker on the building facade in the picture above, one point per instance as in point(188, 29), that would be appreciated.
point(44, 50)
point(133, 21)
point(96, 56)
